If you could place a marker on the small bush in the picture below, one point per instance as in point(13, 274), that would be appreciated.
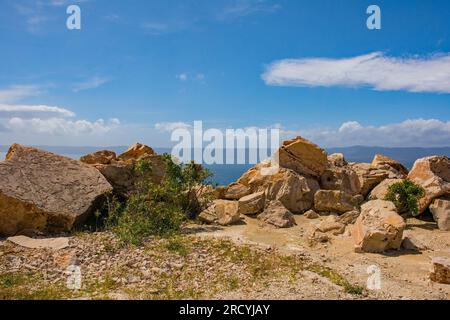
point(159, 209)
point(405, 195)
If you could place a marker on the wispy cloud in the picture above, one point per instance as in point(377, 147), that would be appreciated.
point(91, 83)
point(18, 92)
point(171, 126)
point(33, 111)
point(187, 76)
point(61, 126)
point(243, 8)
point(375, 70)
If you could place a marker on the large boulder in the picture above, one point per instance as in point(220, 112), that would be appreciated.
point(99, 157)
point(370, 177)
point(235, 191)
point(43, 191)
point(337, 160)
point(432, 174)
point(380, 191)
point(277, 215)
point(302, 156)
point(222, 212)
point(295, 192)
point(252, 204)
point(386, 163)
point(334, 201)
point(378, 228)
point(440, 208)
point(120, 171)
point(343, 179)
point(135, 152)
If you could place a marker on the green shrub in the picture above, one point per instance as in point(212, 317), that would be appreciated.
point(159, 209)
point(405, 195)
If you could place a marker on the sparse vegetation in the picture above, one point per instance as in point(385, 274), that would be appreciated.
point(405, 195)
point(159, 209)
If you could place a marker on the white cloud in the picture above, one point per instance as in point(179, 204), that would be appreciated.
point(375, 70)
point(33, 111)
point(182, 76)
point(61, 126)
point(91, 83)
point(242, 8)
point(409, 133)
point(16, 93)
point(171, 126)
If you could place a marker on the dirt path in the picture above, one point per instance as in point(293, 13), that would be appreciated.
point(404, 274)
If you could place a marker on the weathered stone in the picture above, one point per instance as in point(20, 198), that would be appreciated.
point(440, 270)
point(123, 176)
point(330, 224)
point(349, 217)
point(277, 215)
point(235, 191)
point(384, 162)
point(136, 152)
point(378, 228)
point(252, 204)
point(295, 192)
point(311, 214)
point(334, 201)
point(222, 212)
point(432, 174)
point(99, 157)
point(370, 177)
point(380, 191)
point(50, 243)
point(440, 208)
point(337, 160)
point(302, 156)
point(43, 191)
point(343, 179)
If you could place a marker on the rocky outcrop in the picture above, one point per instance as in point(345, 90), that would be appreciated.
point(43, 191)
point(342, 179)
point(334, 201)
point(432, 174)
point(99, 157)
point(440, 270)
point(120, 171)
point(222, 212)
point(440, 208)
point(389, 164)
point(277, 215)
point(380, 191)
point(378, 228)
point(137, 151)
point(337, 160)
point(302, 156)
point(295, 192)
point(370, 177)
point(252, 204)
point(235, 191)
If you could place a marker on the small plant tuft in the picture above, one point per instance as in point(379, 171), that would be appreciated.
point(405, 195)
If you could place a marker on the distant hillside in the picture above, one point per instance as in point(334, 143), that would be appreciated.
point(407, 156)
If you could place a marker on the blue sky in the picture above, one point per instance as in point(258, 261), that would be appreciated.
point(139, 68)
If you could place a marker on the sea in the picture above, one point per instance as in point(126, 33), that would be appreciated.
point(222, 174)
point(226, 174)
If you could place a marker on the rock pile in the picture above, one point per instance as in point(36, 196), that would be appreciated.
point(302, 179)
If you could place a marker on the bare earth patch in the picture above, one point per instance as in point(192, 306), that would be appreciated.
point(246, 261)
